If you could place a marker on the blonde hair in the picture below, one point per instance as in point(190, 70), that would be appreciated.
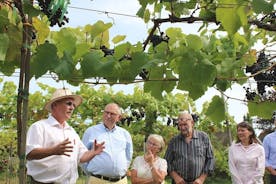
point(159, 138)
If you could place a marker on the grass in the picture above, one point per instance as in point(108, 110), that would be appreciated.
point(6, 178)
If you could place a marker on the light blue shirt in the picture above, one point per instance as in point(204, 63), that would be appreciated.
point(269, 144)
point(115, 159)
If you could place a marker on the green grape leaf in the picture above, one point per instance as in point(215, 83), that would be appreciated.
point(206, 14)
point(81, 49)
point(223, 84)
point(140, 13)
point(42, 30)
point(121, 50)
point(30, 10)
point(216, 110)
point(160, 83)
point(65, 67)
point(15, 45)
point(98, 28)
point(124, 73)
point(249, 58)
point(107, 68)
point(91, 63)
point(118, 38)
point(228, 16)
point(262, 6)
point(4, 18)
point(65, 40)
point(155, 88)
point(261, 109)
point(44, 59)
point(147, 16)
point(196, 73)
point(4, 44)
point(194, 42)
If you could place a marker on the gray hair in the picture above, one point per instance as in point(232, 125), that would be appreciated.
point(159, 138)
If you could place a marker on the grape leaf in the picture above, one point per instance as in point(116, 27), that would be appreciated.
point(65, 67)
point(42, 30)
point(226, 14)
point(195, 74)
point(261, 109)
point(118, 38)
point(194, 42)
point(91, 63)
point(262, 6)
point(4, 43)
point(216, 110)
point(65, 40)
point(45, 59)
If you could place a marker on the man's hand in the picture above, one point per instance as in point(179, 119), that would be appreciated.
point(63, 148)
point(177, 179)
point(198, 181)
point(98, 148)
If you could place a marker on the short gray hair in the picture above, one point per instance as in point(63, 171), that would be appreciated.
point(159, 138)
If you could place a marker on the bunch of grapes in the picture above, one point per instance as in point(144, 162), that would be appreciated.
point(134, 117)
point(157, 39)
point(266, 78)
point(55, 11)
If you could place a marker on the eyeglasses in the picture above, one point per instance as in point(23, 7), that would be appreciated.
point(70, 104)
point(153, 144)
point(184, 119)
point(110, 113)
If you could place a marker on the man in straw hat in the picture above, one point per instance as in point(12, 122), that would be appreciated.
point(53, 148)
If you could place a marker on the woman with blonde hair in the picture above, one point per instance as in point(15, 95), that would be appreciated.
point(246, 157)
point(150, 168)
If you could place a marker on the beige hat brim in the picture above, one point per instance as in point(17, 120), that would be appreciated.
point(77, 101)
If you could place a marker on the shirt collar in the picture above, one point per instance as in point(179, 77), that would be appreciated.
point(107, 130)
point(53, 122)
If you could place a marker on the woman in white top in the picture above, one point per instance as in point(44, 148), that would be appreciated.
point(150, 168)
point(246, 157)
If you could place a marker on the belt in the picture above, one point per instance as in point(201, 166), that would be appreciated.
point(112, 179)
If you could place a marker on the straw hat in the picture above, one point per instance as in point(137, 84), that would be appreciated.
point(61, 94)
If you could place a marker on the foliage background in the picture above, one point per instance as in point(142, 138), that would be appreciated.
point(89, 113)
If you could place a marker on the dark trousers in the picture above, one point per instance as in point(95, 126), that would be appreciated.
point(272, 179)
point(32, 181)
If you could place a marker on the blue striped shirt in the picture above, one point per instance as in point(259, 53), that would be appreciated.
point(269, 145)
point(192, 159)
point(116, 157)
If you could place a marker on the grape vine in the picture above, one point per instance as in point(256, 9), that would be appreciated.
point(55, 11)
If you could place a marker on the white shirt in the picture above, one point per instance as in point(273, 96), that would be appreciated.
point(143, 169)
point(59, 169)
point(247, 165)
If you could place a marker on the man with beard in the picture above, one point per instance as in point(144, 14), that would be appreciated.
point(189, 154)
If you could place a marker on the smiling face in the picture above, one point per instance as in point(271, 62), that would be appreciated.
point(185, 124)
point(111, 115)
point(244, 134)
point(63, 109)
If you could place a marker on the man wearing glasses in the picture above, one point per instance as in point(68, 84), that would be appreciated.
point(112, 164)
point(53, 148)
point(189, 154)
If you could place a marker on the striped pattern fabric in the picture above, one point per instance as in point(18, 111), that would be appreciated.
point(192, 159)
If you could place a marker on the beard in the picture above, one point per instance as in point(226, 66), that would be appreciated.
point(185, 132)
